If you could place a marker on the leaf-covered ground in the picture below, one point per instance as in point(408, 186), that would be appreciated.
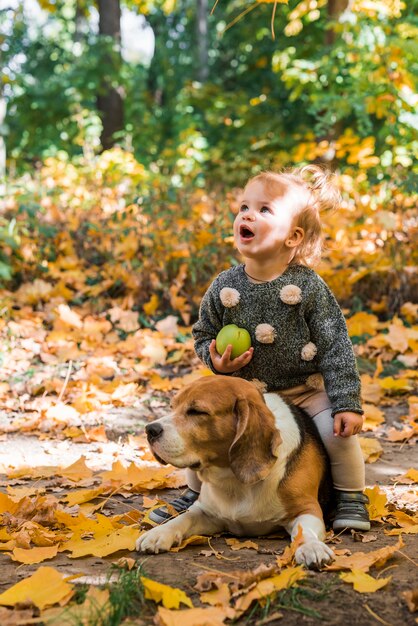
point(78, 480)
point(95, 340)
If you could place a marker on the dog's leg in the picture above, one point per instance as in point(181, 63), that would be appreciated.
point(313, 552)
point(163, 537)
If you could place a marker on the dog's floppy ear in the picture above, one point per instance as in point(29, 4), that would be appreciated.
point(255, 447)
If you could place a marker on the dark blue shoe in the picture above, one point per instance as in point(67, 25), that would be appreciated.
point(351, 511)
point(180, 505)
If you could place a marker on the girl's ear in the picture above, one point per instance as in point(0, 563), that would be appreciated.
point(295, 237)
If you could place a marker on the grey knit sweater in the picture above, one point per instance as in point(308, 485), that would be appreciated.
point(297, 330)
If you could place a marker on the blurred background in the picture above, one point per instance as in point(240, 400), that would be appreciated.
point(127, 127)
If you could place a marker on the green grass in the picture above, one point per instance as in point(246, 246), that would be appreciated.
point(126, 600)
point(298, 599)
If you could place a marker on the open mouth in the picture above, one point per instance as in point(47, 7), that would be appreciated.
point(245, 232)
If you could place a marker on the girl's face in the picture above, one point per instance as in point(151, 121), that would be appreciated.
point(265, 222)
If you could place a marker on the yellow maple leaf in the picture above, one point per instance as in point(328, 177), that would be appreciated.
point(44, 588)
point(235, 544)
point(152, 305)
point(365, 560)
point(398, 336)
point(212, 616)
point(371, 391)
point(193, 540)
point(410, 312)
point(120, 539)
point(84, 495)
point(371, 449)
point(77, 471)
point(362, 582)
point(412, 473)
point(287, 578)
point(217, 597)
point(34, 555)
point(96, 604)
point(377, 503)
point(7, 505)
point(395, 384)
point(170, 597)
point(373, 417)
point(362, 323)
point(69, 317)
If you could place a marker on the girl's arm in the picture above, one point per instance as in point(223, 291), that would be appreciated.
point(335, 355)
point(208, 325)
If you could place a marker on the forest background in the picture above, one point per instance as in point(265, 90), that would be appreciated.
point(127, 131)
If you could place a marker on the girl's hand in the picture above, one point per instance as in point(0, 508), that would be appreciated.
point(223, 364)
point(347, 424)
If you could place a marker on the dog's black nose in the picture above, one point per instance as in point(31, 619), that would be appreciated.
point(153, 430)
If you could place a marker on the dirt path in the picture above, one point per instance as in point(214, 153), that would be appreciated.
point(340, 604)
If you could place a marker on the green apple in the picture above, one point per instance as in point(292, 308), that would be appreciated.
point(238, 337)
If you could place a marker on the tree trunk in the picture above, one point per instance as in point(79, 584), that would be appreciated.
point(334, 9)
point(109, 101)
point(2, 140)
point(202, 40)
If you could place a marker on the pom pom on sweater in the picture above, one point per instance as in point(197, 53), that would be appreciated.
point(264, 333)
point(309, 351)
point(291, 294)
point(229, 297)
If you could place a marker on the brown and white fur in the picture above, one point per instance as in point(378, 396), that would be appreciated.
point(260, 468)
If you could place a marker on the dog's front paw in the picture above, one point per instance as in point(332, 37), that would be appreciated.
point(159, 539)
point(314, 554)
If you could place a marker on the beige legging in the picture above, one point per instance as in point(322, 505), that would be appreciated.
point(347, 464)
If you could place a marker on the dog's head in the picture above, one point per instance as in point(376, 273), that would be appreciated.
point(218, 421)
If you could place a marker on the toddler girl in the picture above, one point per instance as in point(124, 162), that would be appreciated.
point(300, 345)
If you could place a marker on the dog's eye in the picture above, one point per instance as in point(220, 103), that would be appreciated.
point(192, 411)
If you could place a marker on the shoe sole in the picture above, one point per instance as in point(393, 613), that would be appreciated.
point(159, 519)
point(351, 524)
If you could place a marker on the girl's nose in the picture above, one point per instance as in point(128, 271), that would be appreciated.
point(249, 215)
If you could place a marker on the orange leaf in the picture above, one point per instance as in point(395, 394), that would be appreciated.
point(235, 544)
point(77, 471)
point(34, 555)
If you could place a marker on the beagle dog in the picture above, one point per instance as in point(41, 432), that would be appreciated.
point(260, 461)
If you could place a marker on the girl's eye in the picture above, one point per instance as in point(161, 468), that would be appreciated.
point(244, 208)
point(265, 209)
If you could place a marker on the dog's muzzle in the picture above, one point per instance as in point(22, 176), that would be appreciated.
point(153, 431)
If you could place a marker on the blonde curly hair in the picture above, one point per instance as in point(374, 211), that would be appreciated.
point(316, 193)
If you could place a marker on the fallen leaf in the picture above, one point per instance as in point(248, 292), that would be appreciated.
point(217, 597)
point(170, 597)
point(235, 544)
point(213, 616)
point(362, 323)
point(371, 449)
point(193, 540)
point(377, 503)
point(44, 588)
point(77, 471)
point(34, 555)
point(411, 598)
point(364, 583)
point(373, 417)
point(95, 608)
point(363, 538)
point(365, 560)
point(287, 578)
point(121, 539)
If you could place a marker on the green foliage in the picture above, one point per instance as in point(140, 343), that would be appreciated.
point(320, 88)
